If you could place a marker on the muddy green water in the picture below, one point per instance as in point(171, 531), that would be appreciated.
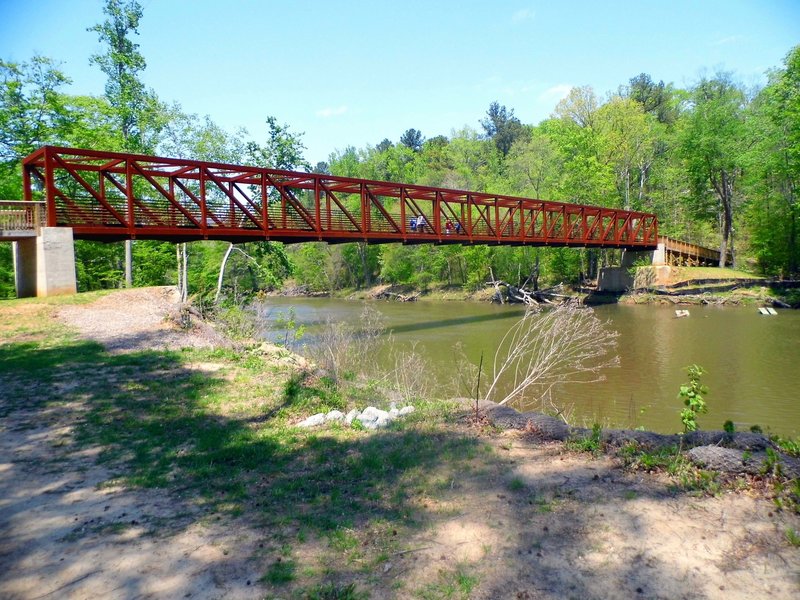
point(753, 361)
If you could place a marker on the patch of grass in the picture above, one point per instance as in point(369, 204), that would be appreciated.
point(333, 591)
point(699, 480)
point(688, 273)
point(342, 540)
point(666, 458)
point(788, 445)
point(516, 484)
point(792, 536)
point(544, 505)
point(457, 583)
point(591, 443)
point(280, 572)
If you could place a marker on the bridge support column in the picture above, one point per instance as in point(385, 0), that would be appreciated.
point(653, 257)
point(45, 265)
point(632, 275)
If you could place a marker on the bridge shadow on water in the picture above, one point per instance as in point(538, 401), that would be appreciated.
point(440, 323)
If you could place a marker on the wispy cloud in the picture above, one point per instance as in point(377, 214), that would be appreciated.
point(724, 41)
point(524, 14)
point(331, 111)
point(556, 92)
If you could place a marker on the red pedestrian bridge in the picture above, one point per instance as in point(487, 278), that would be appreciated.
point(110, 196)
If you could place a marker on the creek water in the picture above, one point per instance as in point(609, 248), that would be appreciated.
point(752, 361)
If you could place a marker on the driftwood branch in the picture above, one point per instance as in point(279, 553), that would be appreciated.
point(387, 295)
point(504, 291)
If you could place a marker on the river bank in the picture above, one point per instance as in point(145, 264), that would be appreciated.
point(684, 286)
point(143, 458)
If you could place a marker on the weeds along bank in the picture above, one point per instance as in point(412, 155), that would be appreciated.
point(186, 467)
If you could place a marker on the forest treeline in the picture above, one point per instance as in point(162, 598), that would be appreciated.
point(719, 163)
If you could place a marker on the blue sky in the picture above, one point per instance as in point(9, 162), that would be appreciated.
point(353, 73)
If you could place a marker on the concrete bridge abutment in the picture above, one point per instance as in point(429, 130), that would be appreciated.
point(628, 276)
point(44, 265)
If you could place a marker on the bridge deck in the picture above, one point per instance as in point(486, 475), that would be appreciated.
point(112, 196)
point(677, 252)
point(20, 220)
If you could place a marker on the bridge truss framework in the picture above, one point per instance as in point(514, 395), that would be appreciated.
point(111, 196)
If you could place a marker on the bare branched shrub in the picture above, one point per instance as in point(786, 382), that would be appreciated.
point(546, 348)
point(411, 377)
point(465, 374)
point(341, 348)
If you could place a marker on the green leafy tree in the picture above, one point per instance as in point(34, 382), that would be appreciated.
point(713, 145)
point(282, 149)
point(502, 127)
point(776, 162)
point(580, 106)
point(655, 98)
point(32, 113)
point(384, 145)
point(412, 138)
point(627, 142)
point(322, 168)
point(138, 113)
point(311, 265)
point(535, 166)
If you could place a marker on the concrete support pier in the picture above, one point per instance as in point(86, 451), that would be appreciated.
point(45, 265)
point(619, 279)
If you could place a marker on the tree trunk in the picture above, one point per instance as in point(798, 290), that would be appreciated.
point(222, 272)
point(362, 251)
point(128, 263)
point(726, 197)
point(792, 241)
point(183, 285)
point(627, 188)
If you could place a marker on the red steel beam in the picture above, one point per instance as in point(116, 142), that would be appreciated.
point(177, 199)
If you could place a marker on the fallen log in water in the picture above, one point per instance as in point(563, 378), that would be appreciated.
point(505, 292)
point(387, 295)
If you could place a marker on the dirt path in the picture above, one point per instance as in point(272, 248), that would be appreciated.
point(549, 524)
point(137, 319)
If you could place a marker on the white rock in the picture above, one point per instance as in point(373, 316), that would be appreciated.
point(313, 420)
point(334, 415)
point(371, 413)
point(383, 421)
point(353, 414)
point(406, 410)
point(394, 412)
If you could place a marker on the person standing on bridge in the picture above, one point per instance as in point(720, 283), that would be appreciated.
point(421, 224)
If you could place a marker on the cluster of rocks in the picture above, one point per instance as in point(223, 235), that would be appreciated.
point(370, 417)
point(740, 452)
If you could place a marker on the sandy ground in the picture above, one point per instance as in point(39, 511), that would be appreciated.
point(552, 525)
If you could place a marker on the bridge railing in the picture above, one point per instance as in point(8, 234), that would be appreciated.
point(678, 252)
point(106, 195)
point(20, 219)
